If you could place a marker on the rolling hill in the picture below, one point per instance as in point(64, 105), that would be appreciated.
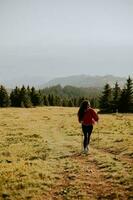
point(85, 81)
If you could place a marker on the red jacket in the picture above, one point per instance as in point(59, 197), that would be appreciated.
point(90, 116)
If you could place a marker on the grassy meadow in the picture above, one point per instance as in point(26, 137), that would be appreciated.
point(40, 156)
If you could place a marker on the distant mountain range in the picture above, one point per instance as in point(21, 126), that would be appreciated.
point(86, 81)
point(76, 81)
point(35, 81)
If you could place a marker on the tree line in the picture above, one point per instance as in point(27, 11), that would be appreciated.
point(108, 101)
point(117, 99)
point(30, 97)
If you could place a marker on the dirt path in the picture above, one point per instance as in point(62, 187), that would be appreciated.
point(80, 176)
point(82, 179)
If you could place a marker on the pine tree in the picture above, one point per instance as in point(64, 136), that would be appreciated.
point(28, 90)
point(64, 102)
point(70, 103)
point(123, 102)
point(126, 99)
point(4, 97)
point(37, 98)
point(116, 97)
point(15, 97)
point(25, 100)
point(105, 102)
point(45, 101)
point(51, 100)
point(33, 96)
point(75, 102)
point(94, 103)
point(129, 95)
point(57, 101)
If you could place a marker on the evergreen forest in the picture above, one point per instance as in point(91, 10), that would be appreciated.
point(107, 100)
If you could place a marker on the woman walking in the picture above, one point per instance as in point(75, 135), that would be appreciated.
point(87, 117)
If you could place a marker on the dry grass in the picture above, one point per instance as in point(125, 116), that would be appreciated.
point(40, 156)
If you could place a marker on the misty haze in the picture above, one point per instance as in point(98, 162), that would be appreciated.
point(42, 40)
point(66, 99)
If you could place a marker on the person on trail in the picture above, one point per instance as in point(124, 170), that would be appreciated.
point(87, 117)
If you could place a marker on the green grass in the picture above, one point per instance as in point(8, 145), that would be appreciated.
point(40, 156)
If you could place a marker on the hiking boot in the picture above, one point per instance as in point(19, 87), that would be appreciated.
point(85, 151)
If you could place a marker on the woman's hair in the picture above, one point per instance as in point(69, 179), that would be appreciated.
point(83, 106)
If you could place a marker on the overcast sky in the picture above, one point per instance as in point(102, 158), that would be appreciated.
point(56, 38)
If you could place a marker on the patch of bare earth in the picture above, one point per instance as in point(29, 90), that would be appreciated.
point(87, 182)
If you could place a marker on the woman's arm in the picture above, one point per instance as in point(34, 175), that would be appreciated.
point(94, 115)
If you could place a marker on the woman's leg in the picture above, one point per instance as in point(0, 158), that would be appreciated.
point(89, 131)
point(85, 142)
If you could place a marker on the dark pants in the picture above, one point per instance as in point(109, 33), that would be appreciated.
point(87, 130)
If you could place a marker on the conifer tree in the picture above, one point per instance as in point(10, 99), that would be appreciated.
point(64, 102)
point(28, 90)
point(45, 101)
point(126, 99)
point(15, 97)
point(106, 100)
point(75, 102)
point(4, 98)
point(94, 103)
point(37, 98)
point(70, 103)
point(123, 102)
point(57, 101)
point(33, 96)
point(51, 99)
point(25, 100)
point(129, 86)
point(116, 97)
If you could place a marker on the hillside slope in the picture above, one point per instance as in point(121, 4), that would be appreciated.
point(86, 81)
